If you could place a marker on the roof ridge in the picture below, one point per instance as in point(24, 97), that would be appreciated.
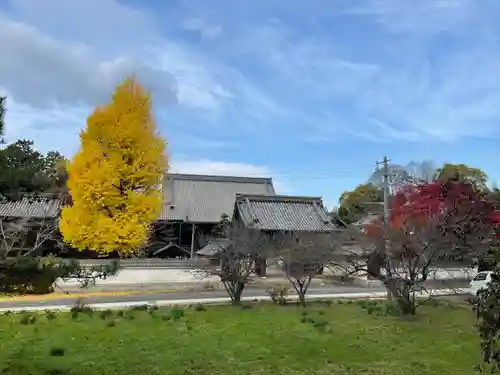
point(280, 198)
point(217, 178)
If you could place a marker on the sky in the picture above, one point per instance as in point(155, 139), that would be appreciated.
point(310, 93)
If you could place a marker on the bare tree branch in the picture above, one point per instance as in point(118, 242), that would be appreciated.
point(304, 256)
point(237, 253)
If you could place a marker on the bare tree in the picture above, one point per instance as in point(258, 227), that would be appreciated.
point(398, 175)
point(304, 256)
point(422, 172)
point(401, 175)
point(26, 237)
point(237, 252)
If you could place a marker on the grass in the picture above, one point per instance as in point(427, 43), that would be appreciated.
point(259, 339)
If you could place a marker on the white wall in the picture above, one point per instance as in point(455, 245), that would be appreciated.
point(437, 273)
point(173, 275)
point(145, 276)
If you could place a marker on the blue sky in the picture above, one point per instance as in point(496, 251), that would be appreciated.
point(310, 93)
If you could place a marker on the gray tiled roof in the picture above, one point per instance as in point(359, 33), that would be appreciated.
point(203, 199)
point(368, 219)
point(284, 213)
point(41, 206)
point(214, 247)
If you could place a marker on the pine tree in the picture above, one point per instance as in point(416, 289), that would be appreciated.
point(221, 227)
point(113, 180)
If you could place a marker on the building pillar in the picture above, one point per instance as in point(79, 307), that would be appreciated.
point(261, 267)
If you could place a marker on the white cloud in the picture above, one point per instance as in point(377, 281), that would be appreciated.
point(40, 71)
point(434, 76)
point(264, 72)
point(106, 24)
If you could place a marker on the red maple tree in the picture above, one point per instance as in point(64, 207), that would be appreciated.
point(429, 225)
point(459, 212)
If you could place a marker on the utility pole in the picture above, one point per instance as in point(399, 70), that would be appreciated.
point(385, 185)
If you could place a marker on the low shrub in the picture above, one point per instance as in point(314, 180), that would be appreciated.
point(200, 307)
point(105, 314)
point(57, 352)
point(27, 319)
point(50, 315)
point(279, 294)
point(80, 306)
point(37, 275)
point(176, 313)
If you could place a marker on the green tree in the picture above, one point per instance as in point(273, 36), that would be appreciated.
point(463, 172)
point(22, 170)
point(353, 205)
point(55, 170)
point(222, 226)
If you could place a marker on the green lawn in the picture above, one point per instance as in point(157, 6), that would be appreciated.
point(266, 339)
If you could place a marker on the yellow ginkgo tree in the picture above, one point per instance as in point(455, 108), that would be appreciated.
point(113, 180)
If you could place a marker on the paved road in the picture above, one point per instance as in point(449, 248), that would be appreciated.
point(152, 297)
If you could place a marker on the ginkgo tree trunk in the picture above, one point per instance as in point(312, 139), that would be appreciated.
point(113, 180)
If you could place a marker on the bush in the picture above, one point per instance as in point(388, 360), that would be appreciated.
point(176, 313)
point(50, 315)
point(81, 307)
point(57, 352)
point(28, 275)
point(36, 275)
point(278, 294)
point(27, 319)
point(392, 309)
point(200, 307)
point(104, 314)
point(144, 307)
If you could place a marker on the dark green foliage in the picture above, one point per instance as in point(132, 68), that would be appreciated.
point(50, 315)
point(111, 323)
point(380, 308)
point(81, 307)
point(36, 275)
point(176, 313)
point(144, 307)
point(28, 275)
point(27, 319)
point(200, 307)
point(57, 371)
point(104, 314)
point(22, 170)
point(219, 230)
point(486, 306)
point(57, 352)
